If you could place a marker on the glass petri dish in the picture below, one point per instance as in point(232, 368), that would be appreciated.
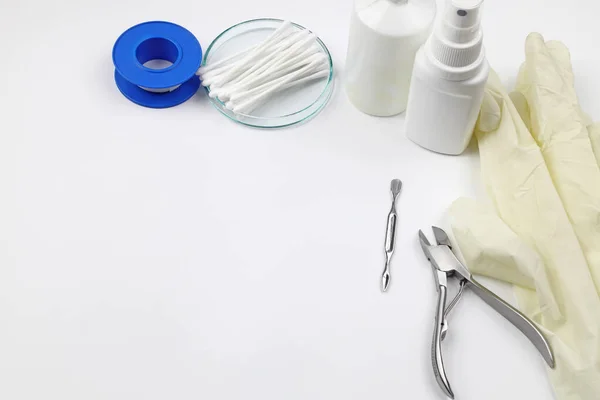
point(285, 108)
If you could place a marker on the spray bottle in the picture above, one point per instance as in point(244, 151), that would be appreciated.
point(448, 81)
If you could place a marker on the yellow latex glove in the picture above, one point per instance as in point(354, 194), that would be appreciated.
point(540, 233)
point(559, 127)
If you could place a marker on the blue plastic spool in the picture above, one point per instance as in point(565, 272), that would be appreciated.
point(157, 40)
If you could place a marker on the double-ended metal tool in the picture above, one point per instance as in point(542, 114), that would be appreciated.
point(390, 234)
point(445, 265)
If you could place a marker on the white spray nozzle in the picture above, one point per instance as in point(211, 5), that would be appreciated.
point(460, 22)
point(457, 40)
point(463, 14)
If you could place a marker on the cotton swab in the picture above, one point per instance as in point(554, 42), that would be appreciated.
point(289, 46)
point(289, 55)
point(218, 67)
point(257, 67)
point(274, 71)
point(254, 55)
point(271, 74)
point(249, 104)
point(307, 76)
point(279, 52)
point(282, 28)
point(219, 74)
point(322, 73)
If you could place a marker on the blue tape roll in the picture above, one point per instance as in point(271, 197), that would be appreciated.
point(157, 88)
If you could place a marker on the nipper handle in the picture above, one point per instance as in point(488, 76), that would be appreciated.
point(436, 347)
point(515, 317)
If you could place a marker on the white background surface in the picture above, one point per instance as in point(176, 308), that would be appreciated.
point(172, 254)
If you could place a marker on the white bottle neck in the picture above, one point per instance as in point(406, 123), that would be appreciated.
point(450, 72)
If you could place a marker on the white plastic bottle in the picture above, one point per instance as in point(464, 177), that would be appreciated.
point(384, 38)
point(448, 81)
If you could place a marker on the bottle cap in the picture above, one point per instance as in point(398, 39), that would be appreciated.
point(457, 40)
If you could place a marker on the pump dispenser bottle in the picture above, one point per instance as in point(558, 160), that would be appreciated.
point(448, 81)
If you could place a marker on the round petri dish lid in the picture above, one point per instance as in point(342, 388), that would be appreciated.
point(285, 108)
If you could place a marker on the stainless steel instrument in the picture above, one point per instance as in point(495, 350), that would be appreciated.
point(390, 234)
point(446, 265)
